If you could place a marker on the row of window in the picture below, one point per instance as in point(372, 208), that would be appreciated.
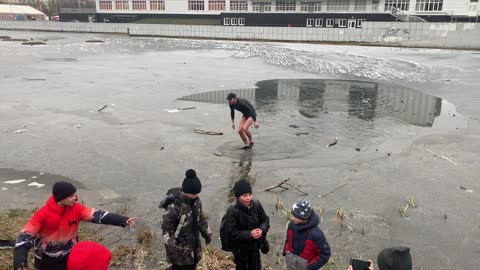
point(352, 23)
point(234, 21)
point(136, 5)
point(259, 6)
point(280, 5)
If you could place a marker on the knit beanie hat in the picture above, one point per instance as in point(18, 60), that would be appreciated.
point(242, 187)
point(302, 210)
point(62, 190)
point(191, 184)
point(395, 258)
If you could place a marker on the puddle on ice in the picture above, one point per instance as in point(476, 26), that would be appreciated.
point(367, 101)
point(363, 114)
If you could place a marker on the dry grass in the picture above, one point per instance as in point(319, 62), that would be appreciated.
point(125, 257)
point(10, 225)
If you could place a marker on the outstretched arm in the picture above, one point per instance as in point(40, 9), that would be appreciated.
point(25, 241)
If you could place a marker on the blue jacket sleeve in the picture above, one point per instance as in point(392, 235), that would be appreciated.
point(321, 242)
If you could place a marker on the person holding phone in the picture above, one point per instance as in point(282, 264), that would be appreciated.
point(306, 247)
point(395, 258)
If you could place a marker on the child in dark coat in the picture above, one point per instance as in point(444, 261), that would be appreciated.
point(305, 246)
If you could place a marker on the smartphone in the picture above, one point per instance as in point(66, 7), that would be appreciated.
point(359, 264)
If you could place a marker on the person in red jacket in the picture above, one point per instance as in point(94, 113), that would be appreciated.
point(305, 246)
point(52, 230)
point(89, 255)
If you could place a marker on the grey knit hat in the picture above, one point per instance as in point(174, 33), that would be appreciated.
point(302, 210)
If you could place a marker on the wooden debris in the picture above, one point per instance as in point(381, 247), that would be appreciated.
point(301, 133)
point(188, 108)
point(32, 43)
point(207, 132)
point(33, 79)
point(334, 142)
point(101, 109)
point(218, 154)
point(94, 41)
point(290, 186)
point(438, 155)
point(328, 193)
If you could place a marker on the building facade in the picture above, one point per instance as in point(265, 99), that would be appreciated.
point(295, 13)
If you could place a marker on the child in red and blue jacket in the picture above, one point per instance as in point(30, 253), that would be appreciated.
point(306, 247)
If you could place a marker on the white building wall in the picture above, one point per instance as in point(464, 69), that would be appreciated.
point(450, 7)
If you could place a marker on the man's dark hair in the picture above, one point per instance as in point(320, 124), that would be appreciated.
point(231, 95)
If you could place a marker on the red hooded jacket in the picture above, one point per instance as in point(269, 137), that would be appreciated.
point(54, 224)
point(87, 255)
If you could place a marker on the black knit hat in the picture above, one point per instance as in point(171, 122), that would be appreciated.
point(62, 190)
point(395, 258)
point(191, 184)
point(241, 187)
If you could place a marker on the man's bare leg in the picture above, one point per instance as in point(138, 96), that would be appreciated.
point(242, 133)
point(247, 132)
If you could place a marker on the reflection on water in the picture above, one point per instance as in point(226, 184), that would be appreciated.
point(365, 100)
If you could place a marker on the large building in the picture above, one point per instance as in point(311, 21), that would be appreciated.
point(310, 13)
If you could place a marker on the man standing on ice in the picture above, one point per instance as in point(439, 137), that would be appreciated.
point(249, 117)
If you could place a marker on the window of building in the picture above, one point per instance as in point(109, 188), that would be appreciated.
point(234, 21)
point(429, 5)
point(139, 5)
point(310, 22)
point(311, 6)
point(238, 5)
point(338, 5)
point(285, 5)
point(329, 22)
point(157, 5)
point(360, 5)
point(216, 4)
point(318, 22)
point(241, 21)
point(196, 5)
point(262, 6)
point(106, 5)
point(397, 4)
point(226, 21)
point(473, 1)
point(341, 22)
point(121, 5)
point(360, 23)
point(375, 4)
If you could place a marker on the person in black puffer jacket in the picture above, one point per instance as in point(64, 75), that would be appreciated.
point(247, 225)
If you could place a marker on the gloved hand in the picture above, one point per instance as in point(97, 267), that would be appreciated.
point(20, 258)
point(208, 240)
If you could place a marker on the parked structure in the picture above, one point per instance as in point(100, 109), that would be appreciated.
point(21, 13)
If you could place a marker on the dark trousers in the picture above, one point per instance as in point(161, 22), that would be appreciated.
point(247, 259)
point(183, 267)
point(47, 263)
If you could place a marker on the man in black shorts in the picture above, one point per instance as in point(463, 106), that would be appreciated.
point(249, 118)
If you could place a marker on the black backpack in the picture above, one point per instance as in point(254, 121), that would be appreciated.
point(224, 236)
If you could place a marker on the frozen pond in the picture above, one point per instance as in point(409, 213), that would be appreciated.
point(396, 112)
